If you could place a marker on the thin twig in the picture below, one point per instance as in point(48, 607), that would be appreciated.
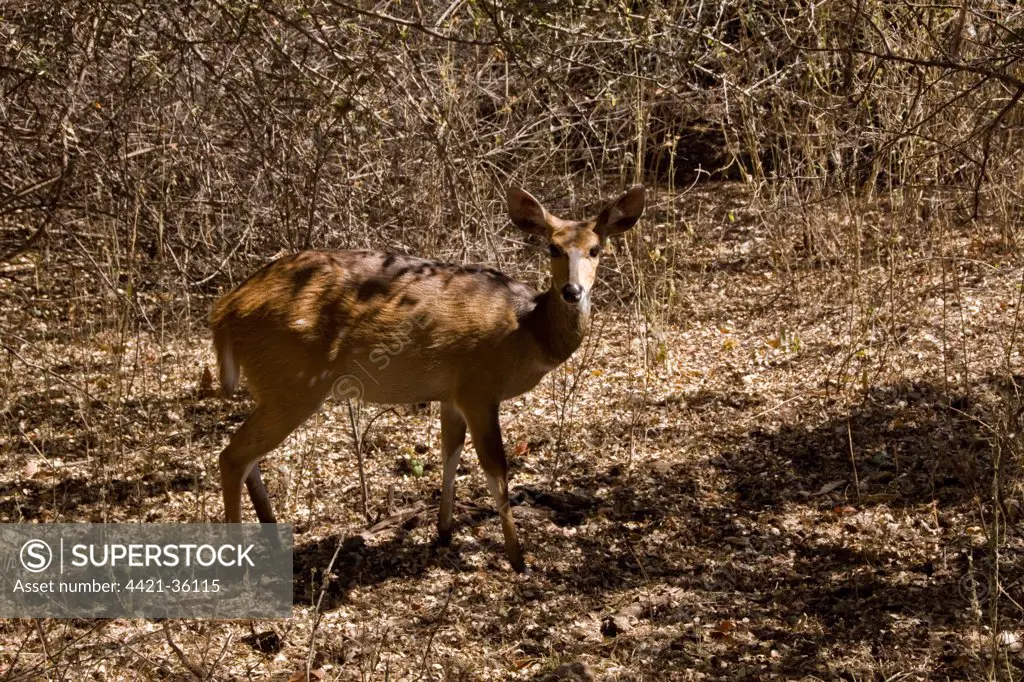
point(437, 626)
point(853, 459)
point(318, 611)
point(195, 670)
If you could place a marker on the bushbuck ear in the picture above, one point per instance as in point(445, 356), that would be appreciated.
point(621, 214)
point(527, 213)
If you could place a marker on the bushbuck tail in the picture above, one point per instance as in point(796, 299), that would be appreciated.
point(389, 328)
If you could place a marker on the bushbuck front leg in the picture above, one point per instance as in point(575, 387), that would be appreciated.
point(453, 438)
point(486, 432)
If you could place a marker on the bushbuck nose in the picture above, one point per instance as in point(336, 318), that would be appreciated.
point(572, 293)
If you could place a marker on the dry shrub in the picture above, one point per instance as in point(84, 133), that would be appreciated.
point(155, 153)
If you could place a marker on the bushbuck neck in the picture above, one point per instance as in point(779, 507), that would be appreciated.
point(558, 326)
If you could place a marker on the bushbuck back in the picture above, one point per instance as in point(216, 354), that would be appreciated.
point(397, 329)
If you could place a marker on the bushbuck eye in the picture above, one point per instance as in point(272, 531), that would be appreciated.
point(595, 251)
point(554, 251)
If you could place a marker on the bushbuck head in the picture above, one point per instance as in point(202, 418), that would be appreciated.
point(575, 245)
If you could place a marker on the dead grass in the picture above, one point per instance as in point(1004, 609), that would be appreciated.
point(783, 473)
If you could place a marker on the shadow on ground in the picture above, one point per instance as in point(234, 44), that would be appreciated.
point(805, 550)
point(878, 568)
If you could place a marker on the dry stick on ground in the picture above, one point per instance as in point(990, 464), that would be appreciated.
point(22, 648)
point(1003, 440)
point(570, 390)
point(994, 544)
point(69, 642)
point(437, 626)
point(47, 370)
point(853, 458)
point(375, 658)
point(42, 640)
point(223, 652)
point(358, 438)
point(318, 612)
point(196, 671)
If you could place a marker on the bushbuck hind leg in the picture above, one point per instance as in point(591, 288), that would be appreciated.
point(259, 497)
point(486, 432)
point(453, 438)
point(265, 429)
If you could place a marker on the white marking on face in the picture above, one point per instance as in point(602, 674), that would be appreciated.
point(574, 272)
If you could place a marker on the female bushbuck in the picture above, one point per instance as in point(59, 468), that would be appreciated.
point(389, 328)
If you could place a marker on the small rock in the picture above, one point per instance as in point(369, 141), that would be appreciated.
point(613, 626)
point(1011, 641)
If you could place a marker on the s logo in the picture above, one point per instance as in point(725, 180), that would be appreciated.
point(36, 556)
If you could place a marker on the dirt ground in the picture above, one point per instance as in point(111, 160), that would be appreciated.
point(782, 473)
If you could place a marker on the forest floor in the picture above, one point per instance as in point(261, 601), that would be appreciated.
point(786, 473)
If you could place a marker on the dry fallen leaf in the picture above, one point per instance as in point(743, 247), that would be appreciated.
point(723, 629)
